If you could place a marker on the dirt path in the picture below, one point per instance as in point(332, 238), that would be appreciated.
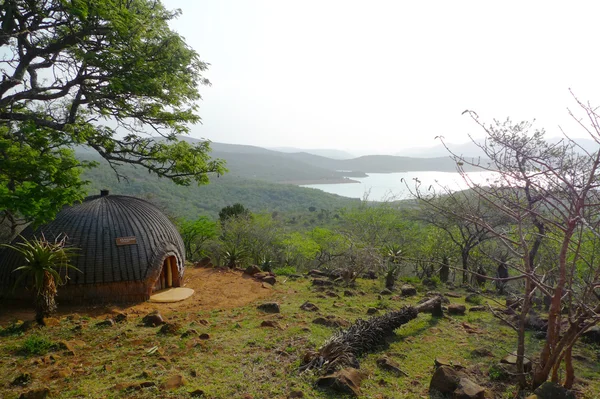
point(214, 289)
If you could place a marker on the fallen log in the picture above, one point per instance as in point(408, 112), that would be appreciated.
point(344, 347)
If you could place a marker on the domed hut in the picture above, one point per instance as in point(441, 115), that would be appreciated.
point(127, 250)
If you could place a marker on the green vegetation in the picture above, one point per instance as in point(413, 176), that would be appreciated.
point(43, 263)
point(36, 345)
point(117, 70)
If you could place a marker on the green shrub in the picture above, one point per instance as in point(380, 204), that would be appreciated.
point(36, 345)
point(414, 280)
point(284, 271)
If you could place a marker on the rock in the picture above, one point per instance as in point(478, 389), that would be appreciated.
point(385, 291)
point(40, 393)
point(387, 364)
point(345, 381)
point(456, 309)
point(467, 389)
point(445, 380)
point(349, 293)
point(204, 336)
point(120, 317)
point(331, 321)
point(512, 359)
point(271, 324)
point(428, 282)
point(431, 294)
point(106, 323)
point(170, 329)
point(153, 319)
point(174, 381)
point(269, 280)
point(252, 270)
point(482, 352)
point(296, 394)
point(189, 333)
point(372, 311)
point(21, 380)
point(317, 273)
point(62, 373)
point(50, 321)
point(479, 308)
point(408, 290)
point(269, 307)
point(592, 335)
point(321, 282)
point(133, 386)
point(309, 307)
point(534, 322)
point(332, 294)
point(453, 295)
point(198, 393)
point(552, 390)
point(474, 299)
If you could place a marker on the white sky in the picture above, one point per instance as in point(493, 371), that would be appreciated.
point(379, 76)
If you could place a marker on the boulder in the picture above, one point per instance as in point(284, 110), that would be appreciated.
point(349, 293)
point(445, 380)
point(106, 323)
point(512, 359)
point(552, 390)
point(170, 329)
point(474, 298)
point(467, 389)
point(271, 324)
point(269, 280)
point(21, 380)
point(174, 381)
point(345, 381)
point(153, 319)
point(252, 270)
point(197, 393)
point(387, 364)
point(331, 321)
point(592, 335)
point(309, 307)
point(408, 290)
point(321, 282)
point(269, 307)
point(456, 309)
point(296, 394)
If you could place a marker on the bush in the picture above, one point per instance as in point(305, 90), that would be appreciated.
point(284, 271)
point(36, 345)
point(414, 280)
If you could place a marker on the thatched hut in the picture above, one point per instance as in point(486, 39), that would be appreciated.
point(127, 250)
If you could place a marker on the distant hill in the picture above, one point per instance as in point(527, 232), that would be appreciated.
point(470, 149)
point(329, 153)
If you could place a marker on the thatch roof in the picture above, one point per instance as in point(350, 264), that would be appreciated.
point(102, 227)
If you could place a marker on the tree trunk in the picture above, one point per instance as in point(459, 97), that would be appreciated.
point(465, 266)
point(45, 303)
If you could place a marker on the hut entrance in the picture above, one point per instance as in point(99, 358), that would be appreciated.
point(169, 275)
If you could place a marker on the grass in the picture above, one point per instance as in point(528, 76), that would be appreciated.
point(242, 358)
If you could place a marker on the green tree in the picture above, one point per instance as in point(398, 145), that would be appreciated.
point(43, 261)
point(100, 74)
point(231, 211)
point(195, 233)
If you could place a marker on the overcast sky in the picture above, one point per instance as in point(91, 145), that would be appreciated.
point(379, 76)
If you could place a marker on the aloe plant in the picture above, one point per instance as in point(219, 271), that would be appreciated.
point(43, 262)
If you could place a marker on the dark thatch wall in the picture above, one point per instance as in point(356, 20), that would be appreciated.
point(109, 272)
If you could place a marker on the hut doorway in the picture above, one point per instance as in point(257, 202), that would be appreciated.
point(169, 274)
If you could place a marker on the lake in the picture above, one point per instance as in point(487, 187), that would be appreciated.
point(389, 186)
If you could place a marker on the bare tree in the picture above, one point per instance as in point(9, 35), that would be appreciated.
point(549, 192)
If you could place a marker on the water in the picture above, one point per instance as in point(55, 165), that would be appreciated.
point(390, 186)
